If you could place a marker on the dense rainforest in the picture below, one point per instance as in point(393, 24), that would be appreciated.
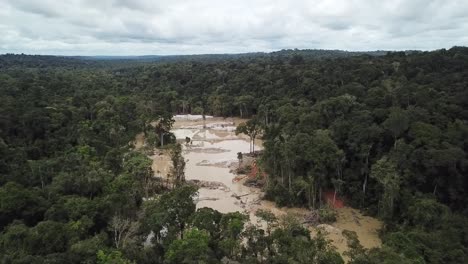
point(387, 132)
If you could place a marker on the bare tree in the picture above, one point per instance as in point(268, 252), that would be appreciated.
point(124, 231)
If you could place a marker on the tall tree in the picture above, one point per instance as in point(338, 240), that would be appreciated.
point(397, 123)
point(384, 171)
point(251, 128)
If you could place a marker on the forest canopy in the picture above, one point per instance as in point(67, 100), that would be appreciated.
point(388, 132)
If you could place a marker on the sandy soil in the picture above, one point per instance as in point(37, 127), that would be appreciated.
point(161, 158)
point(139, 141)
point(161, 163)
point(366, 228)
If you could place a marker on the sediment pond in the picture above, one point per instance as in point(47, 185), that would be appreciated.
point(210, 157)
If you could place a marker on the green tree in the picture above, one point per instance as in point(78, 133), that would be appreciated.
point(193, 248)
point(17, 202)
point(397, 123)
point(251, 128)
point(427, 213)
point(232, 225)
point(163, 126)
point(169, 215)
point(112, 257)
point(207, 219)
point(178, 164)
point(384, 171)
point(139, 166)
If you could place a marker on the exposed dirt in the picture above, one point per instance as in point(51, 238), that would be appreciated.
point(139, 141)
point(162, 163)
point(212, 159)
point(366, 227)
point(161, 158)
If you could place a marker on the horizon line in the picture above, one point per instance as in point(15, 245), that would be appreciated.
point(230, 53)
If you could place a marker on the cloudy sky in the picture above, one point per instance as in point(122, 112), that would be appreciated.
point(137, 27)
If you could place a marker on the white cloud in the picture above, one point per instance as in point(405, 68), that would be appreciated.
point(132, 27)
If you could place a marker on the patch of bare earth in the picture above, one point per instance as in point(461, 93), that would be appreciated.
point(139, 141)
point(351, 219)
point(161, 165)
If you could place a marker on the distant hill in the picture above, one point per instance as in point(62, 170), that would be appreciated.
point(169, 58)
point(40, 61)
point(321, 53)
point(306, 53)
point(145, 57)
point(296, 56)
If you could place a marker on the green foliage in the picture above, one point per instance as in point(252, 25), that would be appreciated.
point(397, 122)
point(168, 216)
point(193, 248)
point(356, 252)
point(384, 132)
point(385, 173)
point(327, 214)
point(17, 202)
point(113, 257)
point(358, 255)
point(138, 166)
point(232, 225)
point(178, 164)
point(427, 213)
point(207, 219)
point(84, 251)
point(292, 244)
point(251, 128)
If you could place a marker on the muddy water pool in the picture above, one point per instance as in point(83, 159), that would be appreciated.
point(212, 151)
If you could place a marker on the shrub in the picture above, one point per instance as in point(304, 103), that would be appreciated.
point(327, 214)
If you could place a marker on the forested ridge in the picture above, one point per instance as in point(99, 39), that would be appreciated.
point(388, 134)
point(307, 53)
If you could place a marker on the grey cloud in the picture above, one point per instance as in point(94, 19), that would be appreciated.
point(141, 5)
point(87, 27)
point(35, 7)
